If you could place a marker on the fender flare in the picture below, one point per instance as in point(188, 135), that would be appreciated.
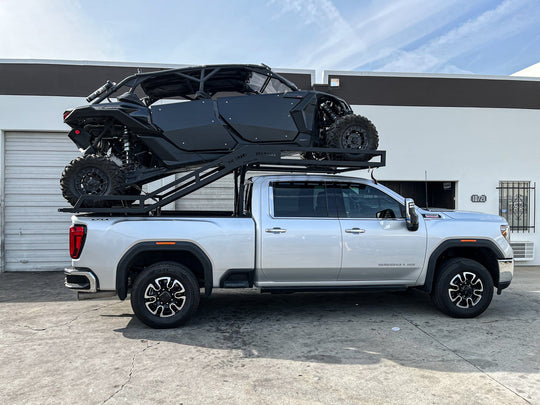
point(122, 269)
point(451, 243)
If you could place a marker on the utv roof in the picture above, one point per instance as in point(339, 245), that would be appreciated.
point(193, 81)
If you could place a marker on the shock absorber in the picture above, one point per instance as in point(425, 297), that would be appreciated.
point(326, 108)
point(127, 148)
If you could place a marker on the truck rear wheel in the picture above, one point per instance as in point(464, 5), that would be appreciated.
point(463, 288)
point(165, 295)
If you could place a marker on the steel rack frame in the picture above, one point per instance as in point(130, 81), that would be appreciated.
point(276, 158)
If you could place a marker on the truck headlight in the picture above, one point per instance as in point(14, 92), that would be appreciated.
point(505, 230)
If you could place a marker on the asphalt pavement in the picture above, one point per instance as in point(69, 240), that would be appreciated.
point(244, 347)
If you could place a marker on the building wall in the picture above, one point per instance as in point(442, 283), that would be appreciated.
point(475, 147)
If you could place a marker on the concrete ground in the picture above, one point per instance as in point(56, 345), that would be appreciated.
point(244, 347)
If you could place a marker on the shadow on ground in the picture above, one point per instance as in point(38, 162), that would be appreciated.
point(331, 328)
point(359, 328)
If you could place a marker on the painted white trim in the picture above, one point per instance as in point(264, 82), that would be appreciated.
point(327, 73)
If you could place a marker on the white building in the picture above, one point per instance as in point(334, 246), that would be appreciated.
point(475, 139)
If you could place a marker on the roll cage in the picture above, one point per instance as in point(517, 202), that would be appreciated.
point(196, 82)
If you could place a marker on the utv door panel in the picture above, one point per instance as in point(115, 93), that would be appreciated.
point(192, 126)
point(260, 118)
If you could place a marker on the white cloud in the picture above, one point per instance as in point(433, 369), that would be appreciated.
point(500, 22)
point(52, 29)
point(392, 35)
point(398, 35)
point(372, 34)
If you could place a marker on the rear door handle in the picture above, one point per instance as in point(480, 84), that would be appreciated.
point(275, 230)
point(355, 230)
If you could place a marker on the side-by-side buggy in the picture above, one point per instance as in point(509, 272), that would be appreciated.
point(159, 123)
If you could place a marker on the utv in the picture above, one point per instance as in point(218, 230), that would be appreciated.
point(166, 121)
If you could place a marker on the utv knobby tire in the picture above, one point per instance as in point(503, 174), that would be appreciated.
point(165, 295)
point(92, 175)
point(463, 288)
point(352, 132)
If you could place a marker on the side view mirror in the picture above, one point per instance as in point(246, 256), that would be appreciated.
point(411, 217)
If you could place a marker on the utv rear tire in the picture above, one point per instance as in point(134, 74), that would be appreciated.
point(353, 132)
point(165, 295)
point(463, 288)
point(91, 175)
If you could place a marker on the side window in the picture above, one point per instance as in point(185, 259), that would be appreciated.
point(362, 201)
point(295, 199)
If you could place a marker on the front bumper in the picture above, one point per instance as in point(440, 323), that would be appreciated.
point(80, 279)
point(506, 272)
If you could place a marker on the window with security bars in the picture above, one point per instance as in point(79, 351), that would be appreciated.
point(517, 204)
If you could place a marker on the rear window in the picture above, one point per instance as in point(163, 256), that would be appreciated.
point(296, 199)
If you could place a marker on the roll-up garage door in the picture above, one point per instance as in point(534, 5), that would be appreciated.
point(35, 233)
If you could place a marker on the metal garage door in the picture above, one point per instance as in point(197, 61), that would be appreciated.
point(35, 233)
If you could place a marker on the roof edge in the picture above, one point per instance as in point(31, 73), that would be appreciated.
point(328, 73)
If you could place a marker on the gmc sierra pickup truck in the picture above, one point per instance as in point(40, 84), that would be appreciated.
point(296, 233)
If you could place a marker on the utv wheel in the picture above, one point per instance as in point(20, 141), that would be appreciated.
point(353, 132)
point(463, 288)
point(165, 295)
point(91, 175)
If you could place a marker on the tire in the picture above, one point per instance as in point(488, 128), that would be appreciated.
point(165, 295)
point(91, 175)
point(463, 288)
point(352, 132)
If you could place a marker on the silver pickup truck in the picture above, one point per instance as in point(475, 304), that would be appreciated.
point(296, 233)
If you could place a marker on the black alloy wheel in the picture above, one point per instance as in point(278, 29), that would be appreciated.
point(352, 132)
point(92, 175)
point(463, 288)
point(165, 295)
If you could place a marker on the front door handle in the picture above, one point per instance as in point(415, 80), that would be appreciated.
point(355, 230)
point(275, 230)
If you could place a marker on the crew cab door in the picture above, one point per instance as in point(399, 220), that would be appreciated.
point(300, 234)
point(376, 243)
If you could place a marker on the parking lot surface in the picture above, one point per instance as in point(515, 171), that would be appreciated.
point(245, 347)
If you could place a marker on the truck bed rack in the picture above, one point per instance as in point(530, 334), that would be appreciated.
point(277, 158)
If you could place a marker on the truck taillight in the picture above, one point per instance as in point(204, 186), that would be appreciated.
point(77, 235)
point(66, 114)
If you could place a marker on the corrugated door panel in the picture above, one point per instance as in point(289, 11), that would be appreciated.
point(217, 196)
point(36, 234)
point(150, 187)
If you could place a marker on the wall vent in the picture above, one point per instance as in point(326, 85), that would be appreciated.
point(523, 251)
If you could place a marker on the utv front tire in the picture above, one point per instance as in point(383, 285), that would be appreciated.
point(165, 295)
point(91, 175)
point(463, 288)
point(353, 132)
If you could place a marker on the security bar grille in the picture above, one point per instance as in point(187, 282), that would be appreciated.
point(517, 204)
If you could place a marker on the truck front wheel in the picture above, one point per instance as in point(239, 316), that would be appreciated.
point(463, 288)
point(165, 295)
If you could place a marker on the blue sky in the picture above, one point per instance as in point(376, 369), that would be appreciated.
point(496, 37)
